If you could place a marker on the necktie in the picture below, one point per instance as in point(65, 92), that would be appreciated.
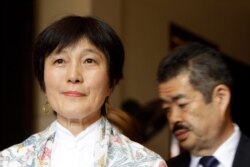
point(209, 161)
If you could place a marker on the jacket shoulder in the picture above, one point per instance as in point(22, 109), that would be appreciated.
point(131, 153)
point(242, 153)
point(19, 153)
point(24, 152)
point(181, 160)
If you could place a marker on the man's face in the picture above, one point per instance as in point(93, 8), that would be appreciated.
point(193, 122)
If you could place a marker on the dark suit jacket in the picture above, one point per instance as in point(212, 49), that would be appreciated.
point(241, 159)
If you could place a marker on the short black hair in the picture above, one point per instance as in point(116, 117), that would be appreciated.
point(205, 66)
point(69, 30)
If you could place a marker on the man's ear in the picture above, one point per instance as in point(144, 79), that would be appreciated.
point(222, 96)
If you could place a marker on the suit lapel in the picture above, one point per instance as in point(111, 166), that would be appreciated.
point(242, 156)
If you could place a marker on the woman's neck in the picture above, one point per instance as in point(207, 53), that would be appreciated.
point(76, 126)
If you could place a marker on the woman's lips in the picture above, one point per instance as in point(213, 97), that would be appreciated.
point(73, 94)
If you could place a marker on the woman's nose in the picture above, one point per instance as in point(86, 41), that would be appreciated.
point(75, 74)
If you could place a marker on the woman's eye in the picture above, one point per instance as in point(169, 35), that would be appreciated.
point(89, 61)
point(59, 61)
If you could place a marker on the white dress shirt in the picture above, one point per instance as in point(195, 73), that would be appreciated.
point(74, 151)
point(225, 153)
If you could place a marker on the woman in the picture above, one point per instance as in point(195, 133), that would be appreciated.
point(78, 61)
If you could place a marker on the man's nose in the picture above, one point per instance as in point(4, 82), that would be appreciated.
point(174, 115)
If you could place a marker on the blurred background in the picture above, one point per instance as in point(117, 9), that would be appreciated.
point(149, 29)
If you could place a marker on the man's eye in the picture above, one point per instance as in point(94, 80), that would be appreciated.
point(182, 106)
point(166, 110)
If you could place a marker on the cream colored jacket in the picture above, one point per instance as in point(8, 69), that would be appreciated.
point(113, 149)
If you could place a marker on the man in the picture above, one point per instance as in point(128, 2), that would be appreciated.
point(195, 89)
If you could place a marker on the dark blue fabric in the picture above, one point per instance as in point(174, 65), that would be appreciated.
point(209, 161)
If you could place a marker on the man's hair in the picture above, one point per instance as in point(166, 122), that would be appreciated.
point(204, 65)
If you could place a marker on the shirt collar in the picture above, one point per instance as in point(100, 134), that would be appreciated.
point(66, 138)
point(225, 153)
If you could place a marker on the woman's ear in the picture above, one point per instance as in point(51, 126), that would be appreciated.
point(110, 91)
point(112, 88)
point(222, 96)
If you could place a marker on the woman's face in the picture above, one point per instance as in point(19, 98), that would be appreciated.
point(77, 81)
